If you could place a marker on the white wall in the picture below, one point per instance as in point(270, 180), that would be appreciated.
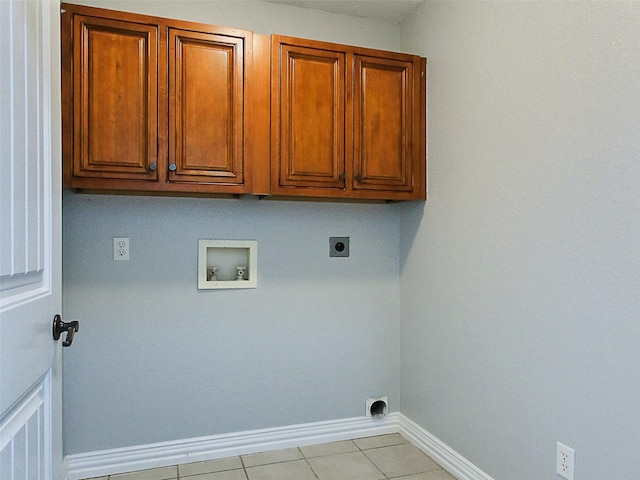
point(158, 360)
point(520, 277)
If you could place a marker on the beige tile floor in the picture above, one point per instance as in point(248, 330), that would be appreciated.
point(373, 458)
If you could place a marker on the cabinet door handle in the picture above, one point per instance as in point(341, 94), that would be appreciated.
point(172, 167)
point(153, 167)
point(358, 177)
point(341, 176)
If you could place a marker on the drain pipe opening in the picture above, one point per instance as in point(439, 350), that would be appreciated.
point(378, 409)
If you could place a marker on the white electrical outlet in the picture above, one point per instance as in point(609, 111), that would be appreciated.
point(121, 248)
point(565, 461)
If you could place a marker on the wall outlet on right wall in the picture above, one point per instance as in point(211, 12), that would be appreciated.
point(565, 461)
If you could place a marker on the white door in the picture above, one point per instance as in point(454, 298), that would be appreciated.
point(30, 248)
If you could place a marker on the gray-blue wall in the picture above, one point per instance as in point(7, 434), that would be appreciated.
point(520, 277)
point(158, 360)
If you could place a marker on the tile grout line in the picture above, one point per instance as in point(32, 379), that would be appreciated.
point(244, 467)
point(315, 474)
point(306, 460)
point(367, 457)
point(372, 462)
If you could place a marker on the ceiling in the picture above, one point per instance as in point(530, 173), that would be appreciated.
point(387, 10)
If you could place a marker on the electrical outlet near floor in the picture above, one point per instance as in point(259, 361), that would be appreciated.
point(121, 248)
point(565, 458)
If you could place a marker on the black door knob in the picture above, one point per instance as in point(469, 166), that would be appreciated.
point(59, 327)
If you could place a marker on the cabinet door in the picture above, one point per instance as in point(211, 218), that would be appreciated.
point(115, 100)
point(384, 123)
point(308, 103)
point(206, 107)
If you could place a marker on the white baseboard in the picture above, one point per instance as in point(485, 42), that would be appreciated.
point(142, 457)
point(445, 456)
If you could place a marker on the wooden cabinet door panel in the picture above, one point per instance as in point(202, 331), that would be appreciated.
point(115, 93)
point(383, 124)
point(311, 103)
point(206, 107)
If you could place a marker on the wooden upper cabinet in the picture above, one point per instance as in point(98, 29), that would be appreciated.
point(115, 132)
point(383, 124)
point(311, 106)
point(347, 122)
point(206, 107)
point(167, 106)
point(153, 104)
